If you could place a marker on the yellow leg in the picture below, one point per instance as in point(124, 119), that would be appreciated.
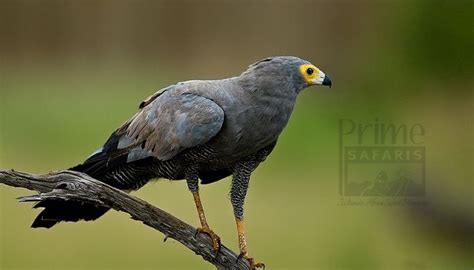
point(200, 210)
point(243, 245)
point(216, 242)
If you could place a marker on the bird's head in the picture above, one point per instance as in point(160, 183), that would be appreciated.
point(289, 71)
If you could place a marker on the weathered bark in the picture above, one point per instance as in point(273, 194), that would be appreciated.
point(69, 185)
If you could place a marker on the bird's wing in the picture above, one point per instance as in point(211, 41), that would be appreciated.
point(152, 98)
point(171, 122)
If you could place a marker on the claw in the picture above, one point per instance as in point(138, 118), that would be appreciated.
point(259, 265)
point(253, 265)
point(216, 240)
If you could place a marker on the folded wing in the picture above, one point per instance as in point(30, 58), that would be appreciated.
point(173, 122)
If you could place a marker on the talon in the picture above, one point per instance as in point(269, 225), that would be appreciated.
point(260, 265)
point(253, 264)
point(216, 240)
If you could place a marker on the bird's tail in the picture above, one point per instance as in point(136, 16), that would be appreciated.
point(56, 211)
point(112, 165)
point(97, 166)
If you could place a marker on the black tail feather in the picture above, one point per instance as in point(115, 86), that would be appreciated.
point(55, 211)
point(101, 165)
point(95, 166)
point(105, 159)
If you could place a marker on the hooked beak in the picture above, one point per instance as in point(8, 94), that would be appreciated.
point(323, 79)
point(327, 81)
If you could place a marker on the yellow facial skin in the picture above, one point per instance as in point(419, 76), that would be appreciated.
point(309, 77)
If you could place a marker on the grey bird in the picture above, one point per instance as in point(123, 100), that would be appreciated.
point(200, 129)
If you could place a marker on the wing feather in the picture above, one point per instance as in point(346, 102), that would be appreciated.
point(173, 122)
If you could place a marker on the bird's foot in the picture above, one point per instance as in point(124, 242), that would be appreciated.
point(216, 240)
point(253, 265)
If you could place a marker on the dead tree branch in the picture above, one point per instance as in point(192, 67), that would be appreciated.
point(69, 185)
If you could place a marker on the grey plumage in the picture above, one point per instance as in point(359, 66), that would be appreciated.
point(198, 129)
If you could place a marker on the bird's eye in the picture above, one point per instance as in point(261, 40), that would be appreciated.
point(309, 73)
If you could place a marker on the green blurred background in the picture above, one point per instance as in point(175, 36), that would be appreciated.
point(73, 71)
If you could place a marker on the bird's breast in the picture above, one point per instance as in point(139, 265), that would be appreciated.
point(251, 125)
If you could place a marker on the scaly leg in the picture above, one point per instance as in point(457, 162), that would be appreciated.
point(243, 245)
point(240, 183)
point(193, 185)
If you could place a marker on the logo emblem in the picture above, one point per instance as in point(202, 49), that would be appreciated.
point(378, 159)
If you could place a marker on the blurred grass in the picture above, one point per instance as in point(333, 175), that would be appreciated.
point(400, 62)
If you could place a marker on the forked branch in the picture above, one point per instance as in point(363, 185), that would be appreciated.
point(69, 185)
